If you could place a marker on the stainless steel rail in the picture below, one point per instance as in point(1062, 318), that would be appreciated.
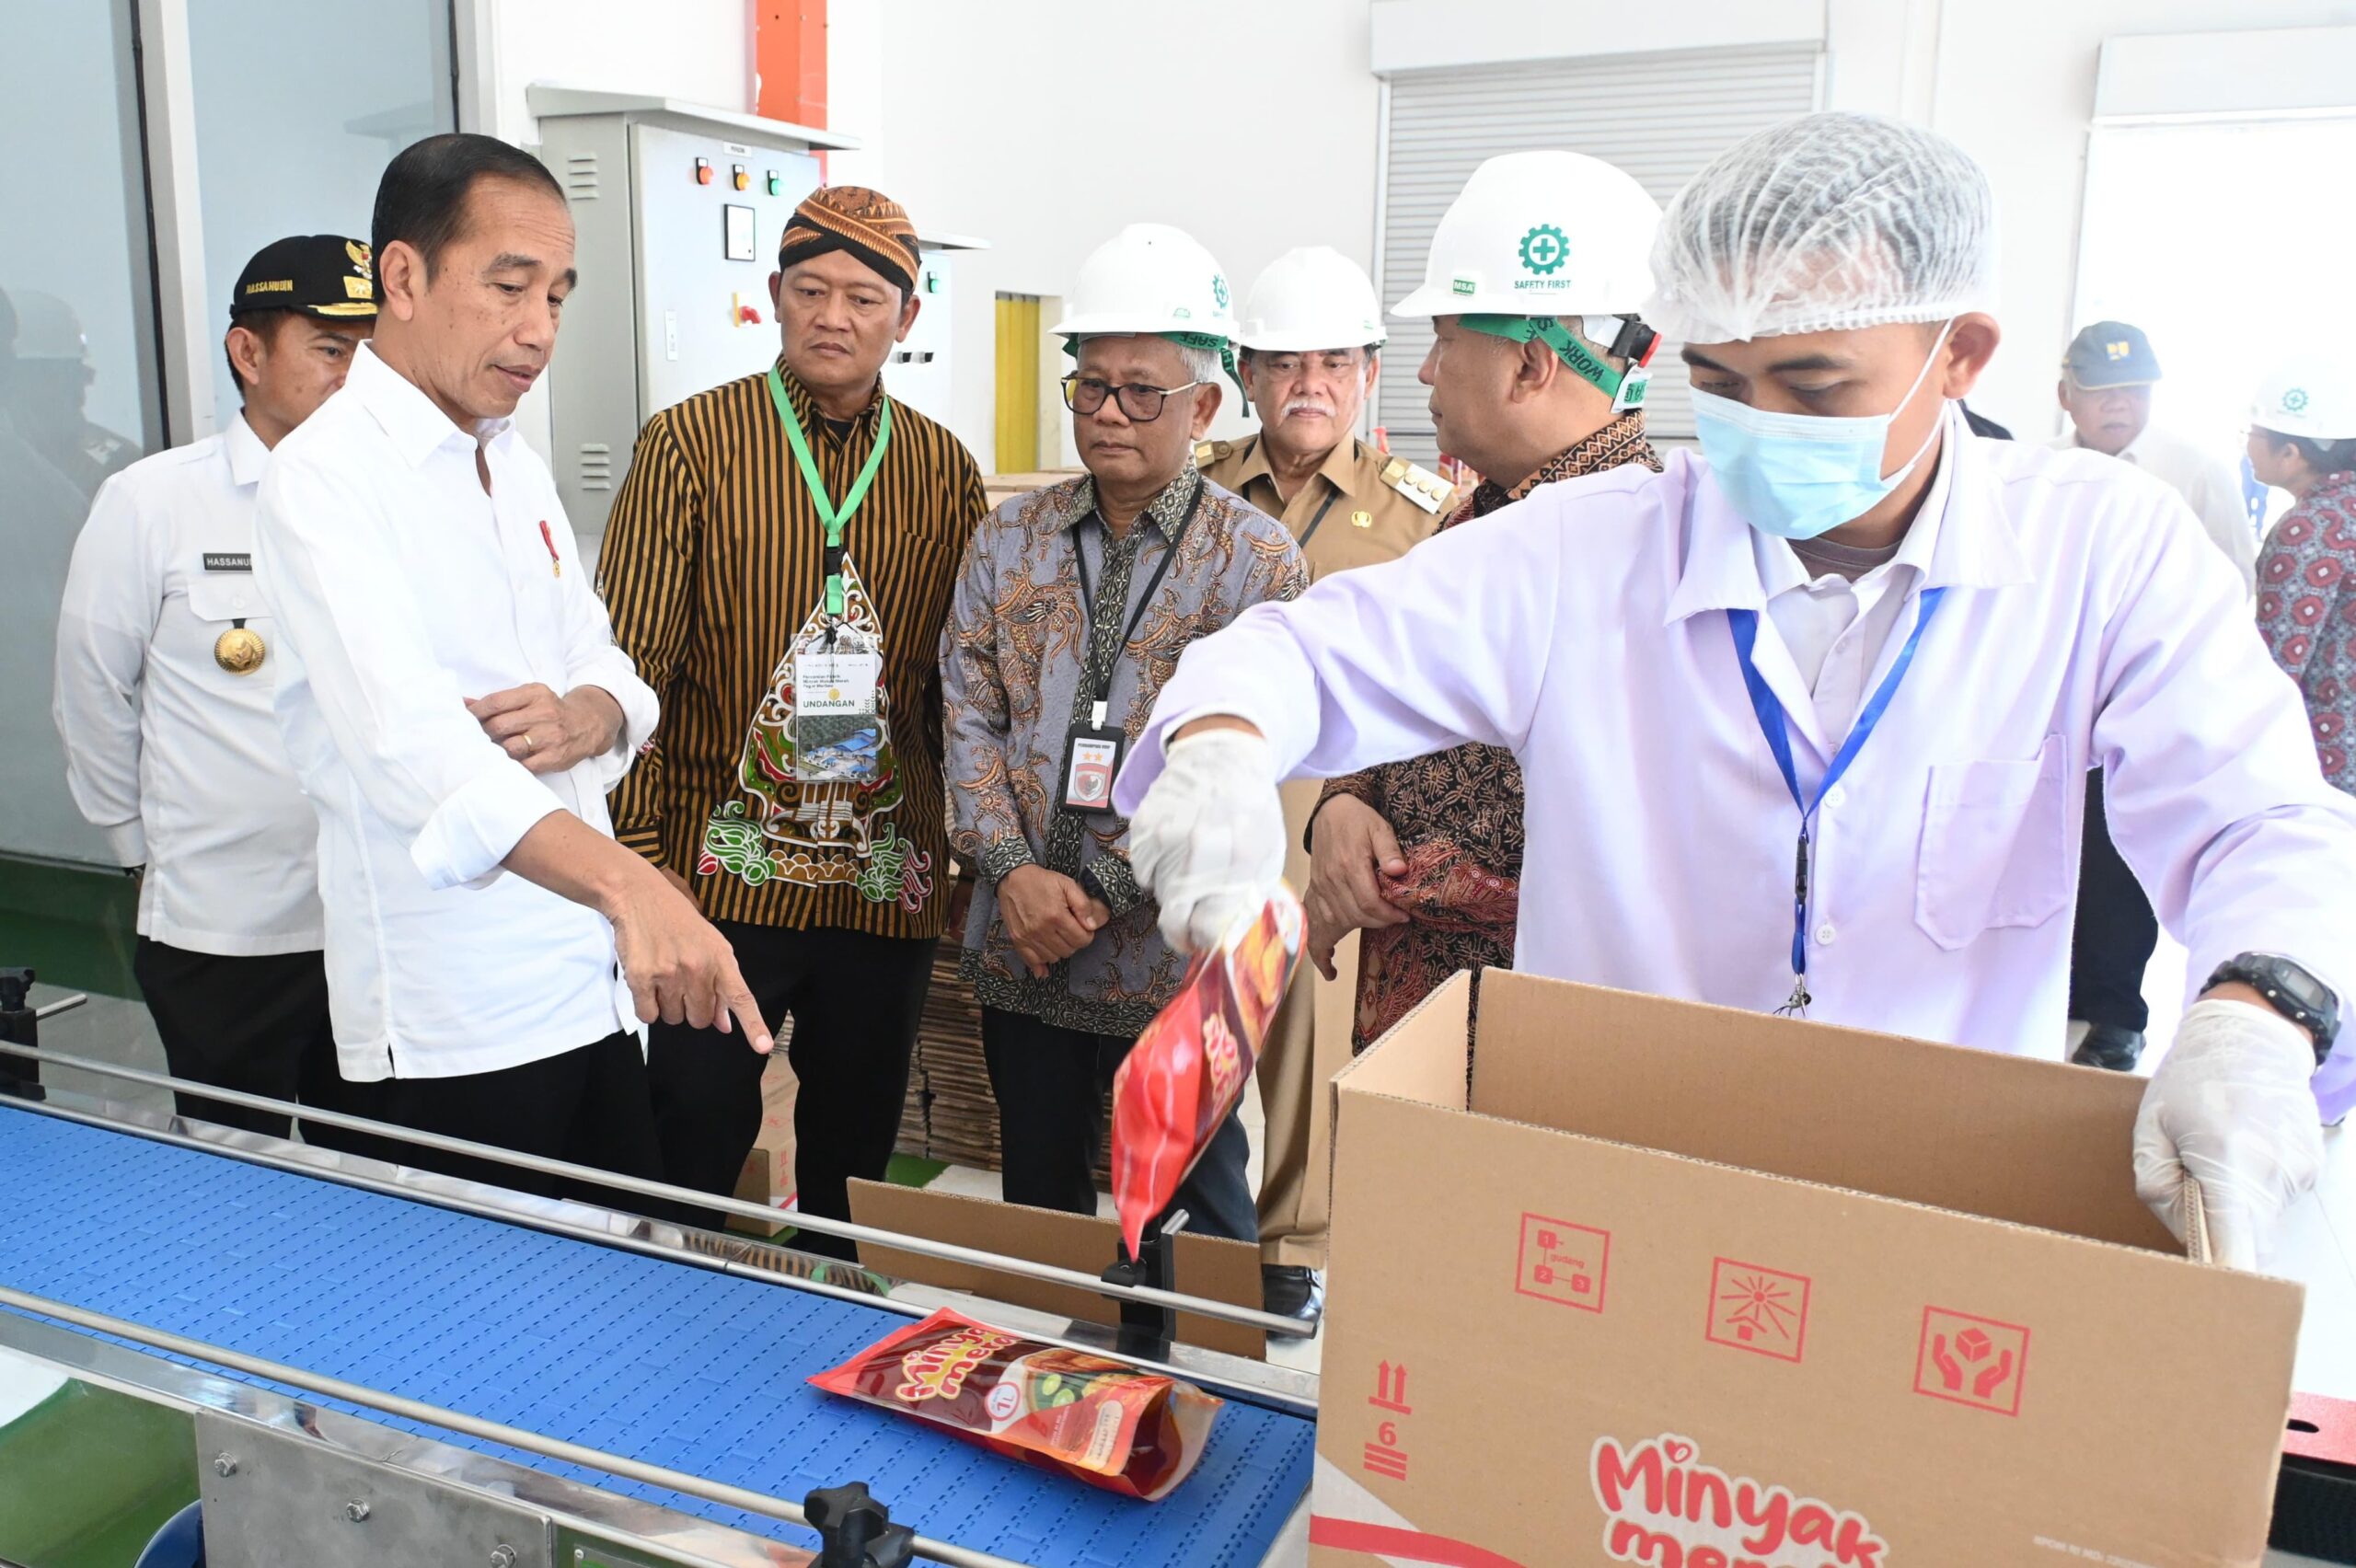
point(548, 1448)
point(949, 1252)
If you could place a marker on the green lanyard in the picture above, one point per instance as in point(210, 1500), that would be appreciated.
point(828, 513)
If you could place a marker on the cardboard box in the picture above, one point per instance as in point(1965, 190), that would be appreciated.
point(1208, 1266)
point(767, 1176)
point(1629, 1280)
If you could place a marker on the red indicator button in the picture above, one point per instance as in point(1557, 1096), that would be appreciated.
point(703, 171)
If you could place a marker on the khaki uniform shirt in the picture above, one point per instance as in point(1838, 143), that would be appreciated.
point(1359, 509)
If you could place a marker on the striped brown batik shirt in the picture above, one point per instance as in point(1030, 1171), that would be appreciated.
point(712, 568)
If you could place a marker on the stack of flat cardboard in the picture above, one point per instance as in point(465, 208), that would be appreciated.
point(767, 1176)
point(1003, 488)
point(1205, 1266)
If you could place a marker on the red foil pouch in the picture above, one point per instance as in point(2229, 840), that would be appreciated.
point(1188, 1069)
point(1138, 1434)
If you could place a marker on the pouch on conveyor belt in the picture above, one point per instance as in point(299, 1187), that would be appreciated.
point(1134, 1433)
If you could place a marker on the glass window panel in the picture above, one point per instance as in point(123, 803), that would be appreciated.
point(299, 104)
point(79, 393)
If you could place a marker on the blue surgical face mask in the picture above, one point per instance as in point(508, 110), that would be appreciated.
point(1796, 475)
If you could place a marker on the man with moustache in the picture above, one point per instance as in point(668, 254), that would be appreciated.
point(1311, 339)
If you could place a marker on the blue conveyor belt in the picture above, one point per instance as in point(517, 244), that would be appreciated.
point(676, 1365)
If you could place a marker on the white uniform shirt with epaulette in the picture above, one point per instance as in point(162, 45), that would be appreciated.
point(1361, 508)
point(170, 745)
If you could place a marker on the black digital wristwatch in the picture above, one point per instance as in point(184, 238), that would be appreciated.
point(2290, 990)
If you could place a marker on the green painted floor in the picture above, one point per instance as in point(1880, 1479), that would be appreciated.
point(75, 928)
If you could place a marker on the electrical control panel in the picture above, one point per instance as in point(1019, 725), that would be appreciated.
point(677, 214)
point(917, 372)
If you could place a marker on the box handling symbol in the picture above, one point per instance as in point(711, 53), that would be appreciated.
point(1759, 1309)
point(1561, 1261)
point(1968, 1360)
point(1391, 1388)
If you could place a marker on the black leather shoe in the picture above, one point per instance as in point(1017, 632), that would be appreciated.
point(1290, 1291)
point(2107, 1045)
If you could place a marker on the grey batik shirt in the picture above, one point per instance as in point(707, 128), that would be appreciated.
point(1020, 660)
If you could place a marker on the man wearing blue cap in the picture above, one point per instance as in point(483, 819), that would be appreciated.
point(2107, 380)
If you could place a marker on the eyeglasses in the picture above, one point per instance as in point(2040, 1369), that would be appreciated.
point(1085, 395)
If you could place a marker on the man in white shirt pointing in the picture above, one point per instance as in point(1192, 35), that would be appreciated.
point(1772, 774)
point(456, 710)
point(163, 699)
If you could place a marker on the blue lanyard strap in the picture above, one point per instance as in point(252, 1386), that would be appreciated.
point(1772, 724)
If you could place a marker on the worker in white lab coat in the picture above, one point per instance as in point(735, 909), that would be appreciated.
point(1843, 635)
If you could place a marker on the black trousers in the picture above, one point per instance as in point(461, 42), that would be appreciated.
point(2116, 929)
point(588, 1105)
point(257, 1024)
point(1049, 1083)
point(855, 1000)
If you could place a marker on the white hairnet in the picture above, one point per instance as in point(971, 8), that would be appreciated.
point(1826, 222)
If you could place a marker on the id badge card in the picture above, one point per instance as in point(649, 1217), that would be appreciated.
point(1093, 756)
point(838, 735)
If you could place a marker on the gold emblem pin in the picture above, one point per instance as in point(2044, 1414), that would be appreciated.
point(1361, 519)
point(237, 651)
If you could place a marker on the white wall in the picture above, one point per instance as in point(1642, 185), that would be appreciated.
point(2015, 85)
point(2013, 81)
point(998, 121)
point(696, 51)
point(700, 50)
point(974, 116)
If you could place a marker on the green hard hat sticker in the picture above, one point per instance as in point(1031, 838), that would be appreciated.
point(1544, 249)
point(1219, 288)
point(2294, 401)
point(1464, 285)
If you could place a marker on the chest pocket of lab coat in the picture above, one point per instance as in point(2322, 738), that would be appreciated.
point(1995, 847)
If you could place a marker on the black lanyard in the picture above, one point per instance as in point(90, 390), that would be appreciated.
point(1152, 584)
point(1310, 532)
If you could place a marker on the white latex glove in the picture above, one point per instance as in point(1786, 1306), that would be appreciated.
point(2230, 1108)
point(1208, 838)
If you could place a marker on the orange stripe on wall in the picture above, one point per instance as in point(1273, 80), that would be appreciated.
point(790, 53)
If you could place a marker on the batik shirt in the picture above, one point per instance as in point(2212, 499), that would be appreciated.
point(1012, 664)
point(2306, 609)
point(713, 569)
point(1456, 814)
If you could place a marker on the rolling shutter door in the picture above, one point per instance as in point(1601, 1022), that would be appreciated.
point(1660, 117)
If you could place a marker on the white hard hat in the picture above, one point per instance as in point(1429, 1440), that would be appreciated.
point(1311, 297)
point(47, 328)
point(1540, 234)
point(2312, 396)
point(1149, 278)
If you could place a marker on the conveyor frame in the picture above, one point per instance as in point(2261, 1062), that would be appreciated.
point(606, 1520)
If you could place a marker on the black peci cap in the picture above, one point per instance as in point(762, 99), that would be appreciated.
point(319, 274)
